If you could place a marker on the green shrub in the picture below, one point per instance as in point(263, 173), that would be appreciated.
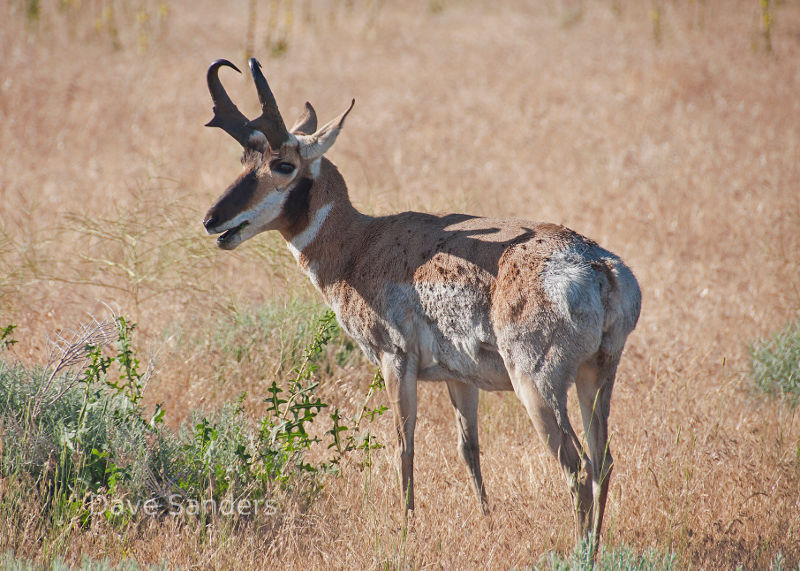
point(6, 340)
point(286, 328)
point(77, 432)
point(9, 562)
point(76, 428)
point(620, 558)
point(775, 363)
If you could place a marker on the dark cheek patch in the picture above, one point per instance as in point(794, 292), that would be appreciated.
point(238, 198)
point(247, 189)
point(295, 210)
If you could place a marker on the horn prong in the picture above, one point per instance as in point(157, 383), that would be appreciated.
point(270, 121)
point(226, 115)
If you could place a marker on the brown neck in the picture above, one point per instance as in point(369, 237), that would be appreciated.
point(328, 238)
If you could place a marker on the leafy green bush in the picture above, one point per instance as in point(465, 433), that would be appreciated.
point(78, 430)
point(775, 363)
point(9, 562)
point(620, 558)
point(6, 340)
point(286, 328)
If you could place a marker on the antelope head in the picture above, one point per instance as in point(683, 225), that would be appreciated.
point(280, 165)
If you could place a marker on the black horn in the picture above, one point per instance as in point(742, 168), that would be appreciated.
point(226, 115)
point(270, 122)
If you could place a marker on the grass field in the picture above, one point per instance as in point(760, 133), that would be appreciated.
point(668, 131)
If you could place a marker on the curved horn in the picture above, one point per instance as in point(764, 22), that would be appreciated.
point(226, 115)
point(270, 122)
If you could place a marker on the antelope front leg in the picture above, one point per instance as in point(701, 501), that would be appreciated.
point(400, 375)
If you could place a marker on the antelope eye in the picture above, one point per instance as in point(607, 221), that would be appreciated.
point(282, 167)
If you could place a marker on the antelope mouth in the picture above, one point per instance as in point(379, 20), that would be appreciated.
point(228, 239)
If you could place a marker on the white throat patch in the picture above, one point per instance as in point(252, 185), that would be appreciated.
point(299, 242)
point(315, 166)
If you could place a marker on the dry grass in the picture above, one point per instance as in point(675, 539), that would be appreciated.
point(679, 152)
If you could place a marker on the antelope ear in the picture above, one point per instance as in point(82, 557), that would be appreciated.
point(307, 123)
point(314, 146)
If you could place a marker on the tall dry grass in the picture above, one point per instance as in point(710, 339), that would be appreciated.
point(677, 147)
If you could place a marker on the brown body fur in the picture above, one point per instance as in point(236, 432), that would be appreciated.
point(478, 303)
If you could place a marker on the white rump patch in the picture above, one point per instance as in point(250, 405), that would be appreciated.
point(299, 242)
point(570, 284)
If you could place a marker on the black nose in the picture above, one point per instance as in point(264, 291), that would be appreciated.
point(210, 222)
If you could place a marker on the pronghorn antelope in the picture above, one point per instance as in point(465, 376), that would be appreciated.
point(479, 303)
